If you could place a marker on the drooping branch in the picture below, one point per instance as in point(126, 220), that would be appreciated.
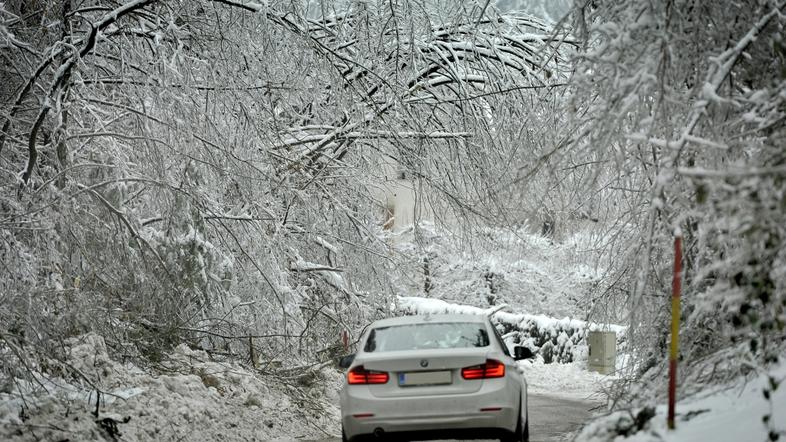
point(20, 97)
point(62, 73)
point(715, 77)
point(484, 54)
point(124, 219)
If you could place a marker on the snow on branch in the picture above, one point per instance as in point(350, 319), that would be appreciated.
point(305, 266)
point(60, 77)
point(374, 134)
point(469, 57)
point(723, 63)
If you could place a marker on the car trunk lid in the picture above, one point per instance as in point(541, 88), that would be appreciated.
point(424, 372)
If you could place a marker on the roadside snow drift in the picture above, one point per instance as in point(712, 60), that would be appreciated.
point(735, 413)
point(190, 398)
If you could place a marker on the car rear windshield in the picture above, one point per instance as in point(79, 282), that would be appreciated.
point(427, 336)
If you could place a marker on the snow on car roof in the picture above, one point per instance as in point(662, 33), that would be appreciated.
point(416, 319)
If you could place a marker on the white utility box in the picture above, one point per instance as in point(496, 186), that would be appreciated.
point(602, 351)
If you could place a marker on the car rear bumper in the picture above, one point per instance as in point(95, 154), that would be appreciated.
point(431, 416)
point(460, 434)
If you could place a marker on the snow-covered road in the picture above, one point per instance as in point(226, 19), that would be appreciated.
point(552, 418)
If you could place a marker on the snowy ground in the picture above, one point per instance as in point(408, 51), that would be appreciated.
point(191, 398)
point(569, 381)
point(731, 413)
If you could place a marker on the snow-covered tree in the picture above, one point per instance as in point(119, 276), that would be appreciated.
point(204, 171)
point(685, 100)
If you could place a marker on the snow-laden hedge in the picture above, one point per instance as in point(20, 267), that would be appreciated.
point(555, 340)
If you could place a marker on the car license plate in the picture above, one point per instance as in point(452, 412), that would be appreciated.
point(424, 378)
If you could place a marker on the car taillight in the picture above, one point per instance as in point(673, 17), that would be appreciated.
point(491, 369)
point(359, 375)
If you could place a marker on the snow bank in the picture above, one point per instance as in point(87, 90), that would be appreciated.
point(734, 413)
point(554, 340)
point(188, 397)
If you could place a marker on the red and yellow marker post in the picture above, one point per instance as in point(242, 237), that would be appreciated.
point(676, 283)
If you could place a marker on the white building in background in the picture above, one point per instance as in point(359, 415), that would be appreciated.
point(401, 202)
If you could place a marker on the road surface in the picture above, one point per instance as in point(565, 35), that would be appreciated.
point(551, 418)
point(556, 419)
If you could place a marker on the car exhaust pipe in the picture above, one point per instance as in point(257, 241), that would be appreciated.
point(379, 433)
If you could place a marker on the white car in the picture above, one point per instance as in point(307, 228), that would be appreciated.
point(434, 377)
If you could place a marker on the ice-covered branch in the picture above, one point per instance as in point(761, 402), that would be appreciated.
point(375, 134)
point(124, 219)
point(63, 72)
point(723, 65)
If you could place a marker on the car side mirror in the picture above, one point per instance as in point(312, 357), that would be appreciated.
point(520, 352)
point(346, 361)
